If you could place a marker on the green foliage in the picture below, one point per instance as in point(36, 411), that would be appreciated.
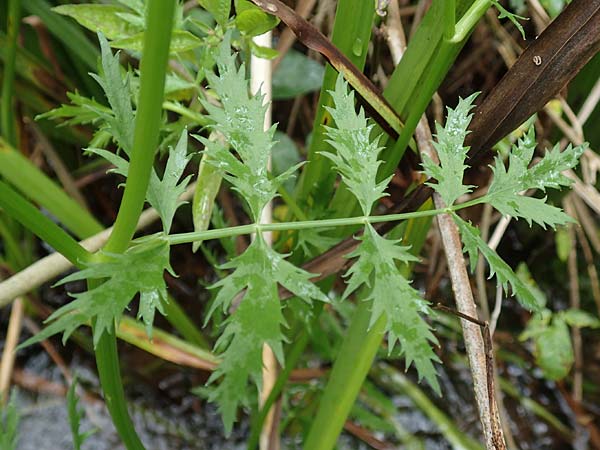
point(137, 271)
point(514, 18)
point(241, 121)
point(250, 20)
point(451, 153)
point(508, 184)
point(375, 267)
point(75, 415)
point(163, 194)
point(9, 425)
point(252, 288)
point(357, 156)
point(297, 74)
point(552, 340)
point(218, 8)
point(393, 297)
point(473, 244)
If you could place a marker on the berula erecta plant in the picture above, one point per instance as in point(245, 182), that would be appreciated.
point(238, 149)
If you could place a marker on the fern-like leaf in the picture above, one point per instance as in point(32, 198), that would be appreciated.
point(451, 153)
point(257, 320)
point(163, 194)
point(241, 121)
point(393, 296)
point(473, 244)
point(137, 271)
point(356, 158)
point(507, 185)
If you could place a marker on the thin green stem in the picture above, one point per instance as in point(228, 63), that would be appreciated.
point(469, 20)
point(6, 112)
point(148, 120)
point(186, 238)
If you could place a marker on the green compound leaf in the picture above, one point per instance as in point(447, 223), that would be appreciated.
point(122, 120)
point(257, 320)
point(241, 121)
point(137, 271)
point(75, 415)
point(473, 244)
point(356, 158)
point(451, 152)
point(507, 185)
point(163, 194)
point(393, 296)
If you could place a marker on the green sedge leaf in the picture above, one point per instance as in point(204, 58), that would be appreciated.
point(507, 185)
point(137, 271)
point(504, 274)
point(451, 153)
point(163, 194)
point(105, 19)
point(257, 320)
point(75, 414)
point(357, 156)
point(241, 121)
point(393, 297)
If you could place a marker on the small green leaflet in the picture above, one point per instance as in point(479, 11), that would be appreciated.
point(75, 415)
point(241, 121)
point(506, 14)
point(163, 194)
point(393, 296)
point(451, 152)
point(257, 320)
point(356, 157)
point(507, 184)
point(139, 270)
point(473, 244)
point(122, 120)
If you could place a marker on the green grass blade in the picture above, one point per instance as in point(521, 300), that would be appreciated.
point(7, 123)
point(33, 183)
point(30, 217)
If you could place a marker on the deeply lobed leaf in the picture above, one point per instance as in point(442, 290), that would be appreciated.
point(137, 271)
point(507, 185)
point(357, 155)
point(473, 244)
point(394, 297)
point(241, 121)
point(451, 153)
point(257, 320)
